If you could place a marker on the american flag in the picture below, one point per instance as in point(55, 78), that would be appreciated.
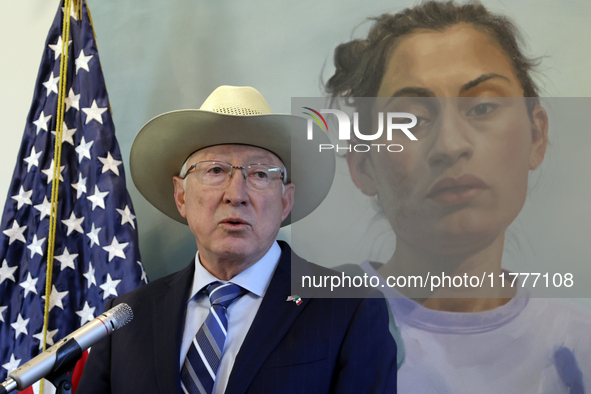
point(96, 249)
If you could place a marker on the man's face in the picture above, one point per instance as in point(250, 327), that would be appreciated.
point(233, 221)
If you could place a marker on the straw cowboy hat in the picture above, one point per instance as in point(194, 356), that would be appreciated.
point(230, 115)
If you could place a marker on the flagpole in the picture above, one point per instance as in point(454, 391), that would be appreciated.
point(56, 171)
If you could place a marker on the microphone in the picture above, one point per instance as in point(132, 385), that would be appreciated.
point(68, 349)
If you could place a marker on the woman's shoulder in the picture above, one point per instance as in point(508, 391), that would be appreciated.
point(567, 311)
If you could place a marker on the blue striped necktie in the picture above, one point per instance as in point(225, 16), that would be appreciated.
point(203, 359)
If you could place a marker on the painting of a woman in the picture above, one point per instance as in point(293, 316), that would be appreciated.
point(451, 195)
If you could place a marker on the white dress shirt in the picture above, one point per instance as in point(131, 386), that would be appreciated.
point(240, 313)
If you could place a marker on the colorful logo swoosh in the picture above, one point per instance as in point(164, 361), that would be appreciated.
point(318, 115)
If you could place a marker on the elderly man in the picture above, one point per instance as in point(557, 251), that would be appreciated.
point(228, 323)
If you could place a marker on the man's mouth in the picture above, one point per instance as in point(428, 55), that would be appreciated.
point(234, 222)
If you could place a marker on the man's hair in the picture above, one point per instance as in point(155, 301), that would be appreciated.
point(360, 63)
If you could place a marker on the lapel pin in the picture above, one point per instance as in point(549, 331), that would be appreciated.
point(295, 298)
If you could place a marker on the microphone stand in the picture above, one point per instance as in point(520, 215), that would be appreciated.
point(57, 363)
point(61, 375)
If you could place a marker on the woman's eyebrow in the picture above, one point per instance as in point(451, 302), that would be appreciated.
point(413, 92)
point(484, 77)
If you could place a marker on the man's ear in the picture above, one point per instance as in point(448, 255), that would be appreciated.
point(287, 199)
point(179, 195)
point(362, 172)
point(539, 130)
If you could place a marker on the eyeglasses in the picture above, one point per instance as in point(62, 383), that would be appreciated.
point(214, 173)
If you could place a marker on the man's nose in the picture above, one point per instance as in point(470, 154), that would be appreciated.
point(236, 188)
point(451, 140)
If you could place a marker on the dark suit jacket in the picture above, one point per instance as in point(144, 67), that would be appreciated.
point(320, 346)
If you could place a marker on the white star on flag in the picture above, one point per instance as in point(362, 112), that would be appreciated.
point(51, 84)
point(83, 149)
point(74, 223)
point(73, 13)
point(23, 198)
point(73, 100)
point(33, 159)
point(126, 216)
point(66, 259)
point(109, 287)
point(94, 112)
point(82, 61)
point(93, 236)
point(97, 198)
point(29, 284)
point(48, 338)
point(15, 233)
point(56, 297)
point(2, 309)
point(89, 275)
point(41, 122)
point(80, 186)
point(116, 249)
point(20, 326)
point(57, 48)
point(67, 134)
point(12, 364)
point(7, 272)
point(35, 246)
point(49, 172)
point(110, 164)
point(86, 313)
point(144, 276)
point(44, 208)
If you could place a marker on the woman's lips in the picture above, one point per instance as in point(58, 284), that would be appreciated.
point(451, 191)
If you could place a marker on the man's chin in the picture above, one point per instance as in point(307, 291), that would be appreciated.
point(237, 248)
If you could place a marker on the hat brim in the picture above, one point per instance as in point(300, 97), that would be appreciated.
point(164, 143)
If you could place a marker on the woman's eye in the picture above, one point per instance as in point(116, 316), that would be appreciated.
point(422, 121)
point(482, 109)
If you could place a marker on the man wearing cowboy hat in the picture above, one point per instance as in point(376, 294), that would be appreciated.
point(228, 323)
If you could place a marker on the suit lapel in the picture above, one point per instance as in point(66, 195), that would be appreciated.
point(168, 323)
point(273, 319)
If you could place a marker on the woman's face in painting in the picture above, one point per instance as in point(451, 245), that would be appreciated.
point(464, 180)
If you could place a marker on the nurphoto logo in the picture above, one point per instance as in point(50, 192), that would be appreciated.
point(393, 120)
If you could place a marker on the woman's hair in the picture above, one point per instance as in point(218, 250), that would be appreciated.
point(360, 63)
